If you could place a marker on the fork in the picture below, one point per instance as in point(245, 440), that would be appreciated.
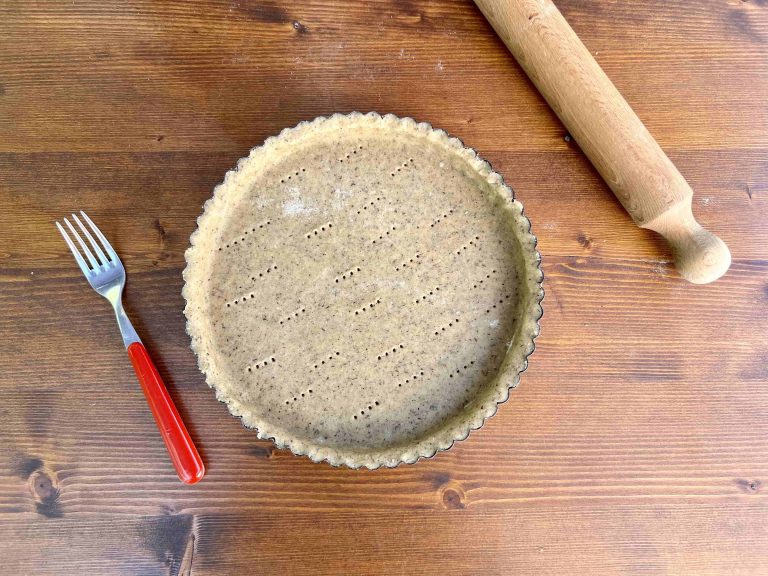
point(106, 274)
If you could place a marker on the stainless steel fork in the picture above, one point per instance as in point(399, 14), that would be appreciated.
point(106, 274)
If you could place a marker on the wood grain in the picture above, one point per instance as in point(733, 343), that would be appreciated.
point(637, 442)
point(684, 538)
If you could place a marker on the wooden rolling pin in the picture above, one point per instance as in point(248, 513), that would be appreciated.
point(608, 131)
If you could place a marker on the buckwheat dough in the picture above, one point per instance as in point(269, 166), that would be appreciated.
point(362, 289)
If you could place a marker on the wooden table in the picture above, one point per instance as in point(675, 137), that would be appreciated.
point(638, 440)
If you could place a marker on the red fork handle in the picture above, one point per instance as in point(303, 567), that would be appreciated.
point(186, 460)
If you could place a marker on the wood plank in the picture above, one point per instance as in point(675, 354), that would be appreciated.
point(572, 211)
point(663, 538)
point(221, 76)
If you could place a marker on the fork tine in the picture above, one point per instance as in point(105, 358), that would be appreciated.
point(86, 250)
point(104, 242)
point(75, 253)
point(103, 260)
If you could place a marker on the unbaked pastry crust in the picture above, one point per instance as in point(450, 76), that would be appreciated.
point(239, 371)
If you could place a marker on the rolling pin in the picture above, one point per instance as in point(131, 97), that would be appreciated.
point(622, 150)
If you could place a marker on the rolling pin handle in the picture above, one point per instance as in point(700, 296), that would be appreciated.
point(700, 256)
